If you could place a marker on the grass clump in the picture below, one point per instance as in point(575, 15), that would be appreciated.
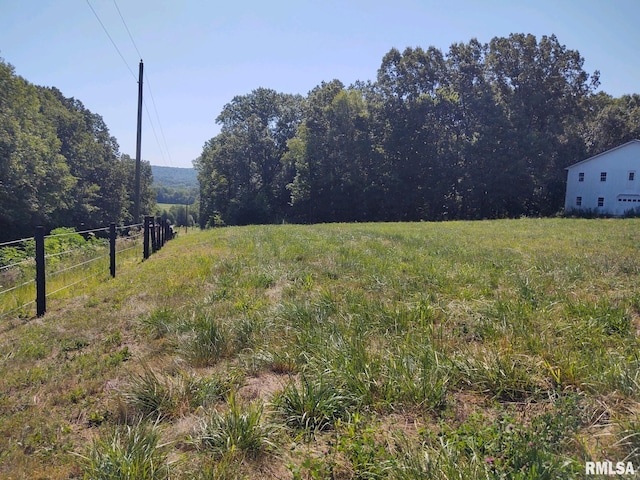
point(313, 404)
point(130, 452)
point(207, 343)
point(240, 430)
point(156, 396)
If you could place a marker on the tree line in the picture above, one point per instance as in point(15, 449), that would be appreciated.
point(481, 131)
point(59, 166)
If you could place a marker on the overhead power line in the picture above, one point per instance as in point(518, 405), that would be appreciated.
point(127, 28)
point(164, 139)
point(161, 148)
point(112, 42)
point(153, 101)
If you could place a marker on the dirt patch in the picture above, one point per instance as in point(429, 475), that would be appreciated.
point(263, 386)
point(468, 403)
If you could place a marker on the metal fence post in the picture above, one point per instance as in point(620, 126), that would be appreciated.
point(112, 249)
point(147, 234)
point(154, 235)
point(41, 288)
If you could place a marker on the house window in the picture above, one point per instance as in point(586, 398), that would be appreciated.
point(632, 176)
point(581, 177)
point(603, 176)
point(578, 201)
point(601, 201)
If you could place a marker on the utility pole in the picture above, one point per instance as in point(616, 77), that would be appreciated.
point(136, 208)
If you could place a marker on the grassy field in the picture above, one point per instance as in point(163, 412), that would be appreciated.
point(498, 349)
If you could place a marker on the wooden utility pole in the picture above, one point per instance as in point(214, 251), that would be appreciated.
point(136, 208)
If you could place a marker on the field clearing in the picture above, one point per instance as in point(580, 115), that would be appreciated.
point(494, 349)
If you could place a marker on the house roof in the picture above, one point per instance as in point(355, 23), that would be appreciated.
point(604, 153)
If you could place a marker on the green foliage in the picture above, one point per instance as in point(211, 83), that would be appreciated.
point(479, 131)
point(159, 396)
point(151, 395)
point(58, 162)
point(508, 448)
point(242, 179)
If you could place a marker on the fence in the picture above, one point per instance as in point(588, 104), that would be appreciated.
point(60, 261)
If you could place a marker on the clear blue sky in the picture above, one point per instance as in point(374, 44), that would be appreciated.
point(199, 54)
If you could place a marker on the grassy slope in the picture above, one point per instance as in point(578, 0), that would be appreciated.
point(434, 350)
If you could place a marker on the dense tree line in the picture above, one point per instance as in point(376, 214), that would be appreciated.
point(483, 131)
point(59, 166)
point(182, 195)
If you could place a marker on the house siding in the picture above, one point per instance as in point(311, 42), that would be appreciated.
point(606, 187)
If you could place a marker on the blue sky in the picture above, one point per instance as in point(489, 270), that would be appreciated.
point(199, 54)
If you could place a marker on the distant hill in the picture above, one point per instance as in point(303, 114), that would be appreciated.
point(175, 178)
point(175, 185)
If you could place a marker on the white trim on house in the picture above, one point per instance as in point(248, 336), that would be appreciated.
point(607, 183)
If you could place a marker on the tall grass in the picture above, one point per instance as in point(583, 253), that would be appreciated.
point(503, 349)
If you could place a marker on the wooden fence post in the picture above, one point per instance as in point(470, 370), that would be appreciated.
point(112, 249)
point(41, 288)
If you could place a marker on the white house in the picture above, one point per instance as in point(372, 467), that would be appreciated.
point(607, 183)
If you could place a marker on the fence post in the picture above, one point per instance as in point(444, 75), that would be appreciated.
point(41, 289)
point(154, 235)
point(167, 230)
point(147, 234)
point(112, 249)
point(160, 237)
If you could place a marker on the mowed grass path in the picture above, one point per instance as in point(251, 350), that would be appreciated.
point(496, 349)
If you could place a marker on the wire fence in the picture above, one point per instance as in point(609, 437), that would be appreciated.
point(34, 270)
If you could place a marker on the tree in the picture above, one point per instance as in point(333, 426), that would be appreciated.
point(331, 157)
point(239, 170)
point(412, 131)
point(483, 131)
point(542, 88)
point(58, 163)
point(36, 180)
point(611, 122)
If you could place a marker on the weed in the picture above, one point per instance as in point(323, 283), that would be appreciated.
point(473, 333)
point(116, 358)
point(205, 391)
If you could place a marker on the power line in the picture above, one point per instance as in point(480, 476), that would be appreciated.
point(112, 42)
point(164, 139)
point(153, 101)
point(153, 129)
point(127, 28)
point(160, 146)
